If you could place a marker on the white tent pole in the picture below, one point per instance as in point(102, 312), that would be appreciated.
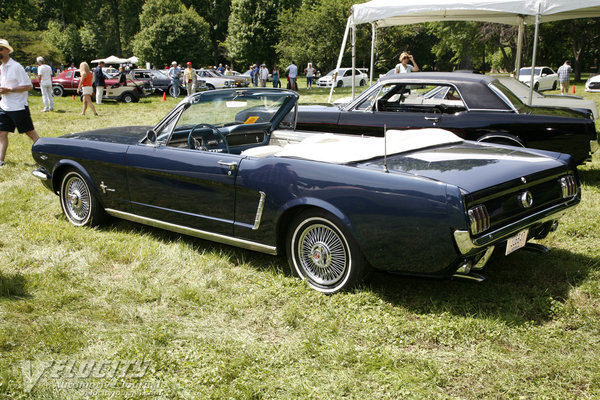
point(353, 59)
point(519, 47)
point(373, 37)
point(535, 40)
point(339, 62)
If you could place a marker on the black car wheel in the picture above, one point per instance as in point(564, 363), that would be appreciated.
point(78, 203)
point(322, 252)
point(340, 84)
point(362, 83)
point(554, 85)
point(210, 87)
point(58, 91)
point(536, 86)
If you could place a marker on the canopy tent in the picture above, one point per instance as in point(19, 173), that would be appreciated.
point(117, 60)
point(382, 13)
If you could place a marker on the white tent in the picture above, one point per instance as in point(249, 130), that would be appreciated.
point(381, 13)
point(112, 60)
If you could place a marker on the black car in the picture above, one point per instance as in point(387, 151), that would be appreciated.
point(475, 107)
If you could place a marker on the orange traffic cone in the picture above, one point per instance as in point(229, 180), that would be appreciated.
point(164, 96)
point(73, 97)
point(573, 89)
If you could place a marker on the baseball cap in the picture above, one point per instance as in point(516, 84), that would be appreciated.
point(174, 63)
point(189, 63)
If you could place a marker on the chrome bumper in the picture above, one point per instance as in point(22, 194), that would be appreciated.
point(41, 174)
point(468, 245)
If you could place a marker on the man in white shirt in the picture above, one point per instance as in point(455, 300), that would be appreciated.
point(44, 72)
point(14, 109)
point(292, 71)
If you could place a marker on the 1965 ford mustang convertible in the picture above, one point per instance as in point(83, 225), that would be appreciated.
point(226, 166)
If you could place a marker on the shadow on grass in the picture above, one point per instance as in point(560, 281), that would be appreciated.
point(12, 286)
point(522, 288)
point(590, 176)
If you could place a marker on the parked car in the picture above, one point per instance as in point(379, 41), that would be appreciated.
point(475, 107)
point(213, 80)
point(428, 204)
point(537, 99)
point(240, 80)
point(161, 81)
point(544, 78)
point(131, 92)
point(343, 78)
point(67, 82)
point(593, 84)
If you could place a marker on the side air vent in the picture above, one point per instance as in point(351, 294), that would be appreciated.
point(479, 219)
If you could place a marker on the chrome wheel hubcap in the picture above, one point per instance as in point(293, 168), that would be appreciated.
point(77, 199)
point(322, 254)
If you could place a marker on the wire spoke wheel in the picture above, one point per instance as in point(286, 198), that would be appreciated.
point(77, 201)
point(322, 252)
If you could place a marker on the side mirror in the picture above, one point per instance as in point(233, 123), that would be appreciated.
point(151, 135)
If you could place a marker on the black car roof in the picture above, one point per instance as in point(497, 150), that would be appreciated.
point(473, 88)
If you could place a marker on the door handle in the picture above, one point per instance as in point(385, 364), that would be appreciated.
point(230, 165)
point(434, 119)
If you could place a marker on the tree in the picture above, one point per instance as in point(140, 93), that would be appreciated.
point(216, 13)
point(314, 33)
point(252, 31)
point(170, 31)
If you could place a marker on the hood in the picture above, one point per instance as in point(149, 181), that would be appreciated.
point(123, 135)
point(472, 166)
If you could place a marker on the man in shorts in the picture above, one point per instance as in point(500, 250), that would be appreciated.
point(14, 109)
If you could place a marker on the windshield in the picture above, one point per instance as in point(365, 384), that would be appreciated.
point(228, 108)
point(527, 71)
point(509, 96)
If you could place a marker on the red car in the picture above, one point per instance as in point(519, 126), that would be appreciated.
point(67, 82)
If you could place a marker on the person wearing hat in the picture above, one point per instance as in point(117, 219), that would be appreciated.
point(14, 108)
point(564, 72)
point(44, 73)
point(175, 75)
point(189, 77)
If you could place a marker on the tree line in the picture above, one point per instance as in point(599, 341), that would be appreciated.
point(274, 32)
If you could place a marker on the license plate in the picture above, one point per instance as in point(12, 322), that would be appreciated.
point(516, 242)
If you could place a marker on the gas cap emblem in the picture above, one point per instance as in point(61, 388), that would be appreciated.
point(526, 199)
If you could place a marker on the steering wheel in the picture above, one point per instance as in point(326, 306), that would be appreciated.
point(440, 109)
point(208, 138)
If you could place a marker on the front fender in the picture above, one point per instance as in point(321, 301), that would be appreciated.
point(59, 170)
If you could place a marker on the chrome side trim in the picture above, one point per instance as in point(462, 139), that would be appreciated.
point(215, 237)
point(38, 173)
point(259, 210)
point(466, 244)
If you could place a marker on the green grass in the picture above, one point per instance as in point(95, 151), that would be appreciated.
point(216, 322)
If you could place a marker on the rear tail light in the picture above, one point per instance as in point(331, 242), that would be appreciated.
point(568, 186)
point(479, 219)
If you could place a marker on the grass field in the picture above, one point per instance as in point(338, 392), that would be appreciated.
point(128, 311)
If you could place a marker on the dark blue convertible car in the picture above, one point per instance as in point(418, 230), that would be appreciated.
point(228, 166)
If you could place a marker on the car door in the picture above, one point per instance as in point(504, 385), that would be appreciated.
point(185, 187)
point(394, 106)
